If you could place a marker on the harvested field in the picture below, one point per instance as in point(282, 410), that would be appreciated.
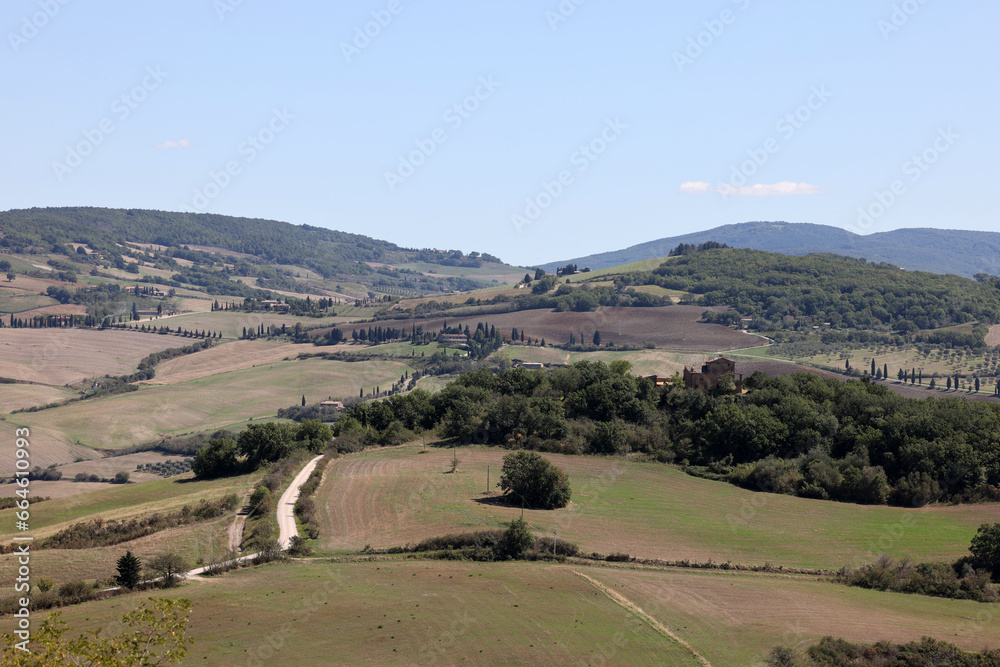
point(669, 327)
point(60, 489)
point(206, 403)
point(407, 613)
point(231, 324)
point(224, 358)
point(66, 356)
point(734, 619)
point(47, 447)
point(392, 497)
point(58, 309)
point(18, 396)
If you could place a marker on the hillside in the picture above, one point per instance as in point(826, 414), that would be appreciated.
point(964, 253)
point(332, 254)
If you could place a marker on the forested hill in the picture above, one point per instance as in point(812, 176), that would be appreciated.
point(963, 253)
point(846, 292)
point(326, 251)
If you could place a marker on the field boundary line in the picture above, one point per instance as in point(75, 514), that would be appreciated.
point(630, 606)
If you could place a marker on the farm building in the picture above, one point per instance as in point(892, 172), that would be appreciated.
point(710, 374)
point(452, 338)
point(333, 404)
point(659, 380)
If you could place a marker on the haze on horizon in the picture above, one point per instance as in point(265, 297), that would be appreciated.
point(532, 131)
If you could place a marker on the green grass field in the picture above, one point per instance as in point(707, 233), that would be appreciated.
point(497, 272)
point(207, 403)
point(391, 497)
point(641, 265)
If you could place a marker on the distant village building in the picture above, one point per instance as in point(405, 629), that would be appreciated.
point(333, 404)
point(710, 374)
point(659, 381)
point(452, 338)
point(532, 365)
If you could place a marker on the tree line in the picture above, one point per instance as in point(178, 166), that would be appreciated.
point(846, 292)
point(853, 441)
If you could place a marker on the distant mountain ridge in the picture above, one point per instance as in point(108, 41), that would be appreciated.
point(961, 252)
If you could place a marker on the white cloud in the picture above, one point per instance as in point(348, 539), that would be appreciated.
point(183, 143)
point(758, 190)
point(693, 187)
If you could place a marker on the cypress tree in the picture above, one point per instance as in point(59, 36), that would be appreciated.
point(129, 569)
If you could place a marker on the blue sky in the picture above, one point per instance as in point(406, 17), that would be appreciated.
point(536, 131)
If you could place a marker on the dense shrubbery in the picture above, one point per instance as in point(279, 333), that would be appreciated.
point(960, 581)
point(305, 506)
point(853, 441)
point(515, 543)
point(71, 592)
point(927, 652)
point(7, 502)
point(259, 444)
point(260, 531)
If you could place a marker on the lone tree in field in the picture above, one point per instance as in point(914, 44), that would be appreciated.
point(528, 478)
point(129, 569)
point(169, 566)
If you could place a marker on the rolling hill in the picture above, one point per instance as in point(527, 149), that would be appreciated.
point(334, 255)
point(964, 253)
